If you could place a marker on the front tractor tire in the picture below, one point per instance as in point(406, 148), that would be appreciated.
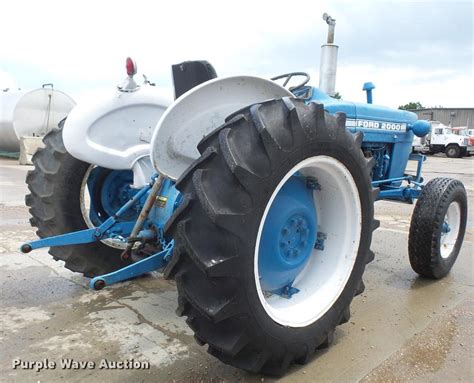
point(247, 215)
point(437, 227)
point(54, 202)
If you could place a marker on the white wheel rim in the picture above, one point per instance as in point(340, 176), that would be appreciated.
point(453, 219)
point(326, 273)
point(85, 202)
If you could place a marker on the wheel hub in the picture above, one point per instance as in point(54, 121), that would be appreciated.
point(103, 192)
point(294, 238)
point(108, 191)
point(446, 228)
point(450, 229)
point(288, 236)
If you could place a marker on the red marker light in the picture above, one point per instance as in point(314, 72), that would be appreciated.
point(131, 66)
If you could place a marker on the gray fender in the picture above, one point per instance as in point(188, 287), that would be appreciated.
point(198, 112)
point(113, 129)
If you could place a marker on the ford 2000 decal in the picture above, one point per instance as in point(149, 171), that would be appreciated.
point(381, 125)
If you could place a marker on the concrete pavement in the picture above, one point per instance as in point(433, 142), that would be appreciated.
point(402, 328)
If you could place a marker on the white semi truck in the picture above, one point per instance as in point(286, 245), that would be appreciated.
point(441, 139)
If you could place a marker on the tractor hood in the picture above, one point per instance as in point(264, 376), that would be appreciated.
point(367, 116)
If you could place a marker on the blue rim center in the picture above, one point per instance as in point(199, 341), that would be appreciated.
point(288, 235)
point(109, 190)
point(446, 228)
point(294, 237)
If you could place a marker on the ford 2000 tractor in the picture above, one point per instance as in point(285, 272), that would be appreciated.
point(257, 199)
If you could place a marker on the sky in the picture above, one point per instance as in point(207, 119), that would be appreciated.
point(411, 50)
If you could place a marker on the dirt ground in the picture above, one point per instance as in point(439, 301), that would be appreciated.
point(403, 328)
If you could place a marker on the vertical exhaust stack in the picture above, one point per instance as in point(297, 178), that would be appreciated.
point(328, 66)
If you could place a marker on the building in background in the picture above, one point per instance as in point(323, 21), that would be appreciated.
point(453, 117)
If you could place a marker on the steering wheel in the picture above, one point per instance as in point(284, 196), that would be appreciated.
point(288, 77)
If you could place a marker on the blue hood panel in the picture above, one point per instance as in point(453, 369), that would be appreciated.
point(362, 111)
point(380, 125)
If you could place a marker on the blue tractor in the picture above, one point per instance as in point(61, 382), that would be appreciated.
point(256, 199)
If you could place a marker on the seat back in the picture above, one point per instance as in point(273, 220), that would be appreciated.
point(189, 74)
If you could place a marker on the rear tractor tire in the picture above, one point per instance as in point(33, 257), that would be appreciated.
point(273, 235)
point(54, 202)
point(437, 227)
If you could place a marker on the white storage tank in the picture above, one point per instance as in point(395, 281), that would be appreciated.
point(30, 113)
